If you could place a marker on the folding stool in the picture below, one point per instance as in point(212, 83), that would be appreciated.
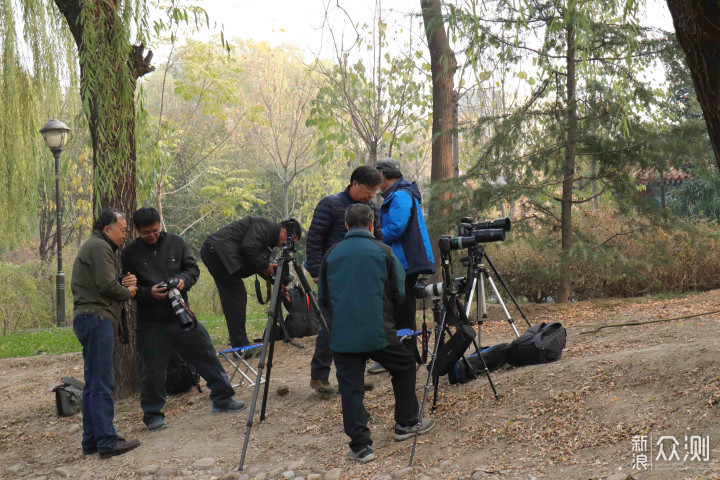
point(241, 365)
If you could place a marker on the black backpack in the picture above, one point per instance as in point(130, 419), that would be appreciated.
point(181, 376)
point(542, 343)
point(468, 368)
point(453, 350)
point(301, 321)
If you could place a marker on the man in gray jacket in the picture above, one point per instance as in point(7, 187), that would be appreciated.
point(98, 295)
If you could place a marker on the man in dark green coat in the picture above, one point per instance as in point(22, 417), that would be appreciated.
point(361, 281)
point(97, 296)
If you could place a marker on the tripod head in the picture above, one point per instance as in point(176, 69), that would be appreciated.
point(289, 247)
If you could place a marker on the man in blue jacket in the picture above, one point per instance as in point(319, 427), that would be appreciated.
point(404, 230)
point(361, 282)
point(326, 229)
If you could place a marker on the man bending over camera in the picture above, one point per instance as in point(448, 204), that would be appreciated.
point(154, 258)
point(237, 251)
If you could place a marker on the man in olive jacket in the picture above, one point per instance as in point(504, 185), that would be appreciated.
point(361, 281)
point(97, 296)
point(234, 252)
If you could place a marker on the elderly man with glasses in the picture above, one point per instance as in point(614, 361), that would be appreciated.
point(326, 229)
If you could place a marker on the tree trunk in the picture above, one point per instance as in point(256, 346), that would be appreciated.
point(569, 169)
point(442, 66)
point(697, 26)
point(110, 109)
point(286, 199)
point(456, 136)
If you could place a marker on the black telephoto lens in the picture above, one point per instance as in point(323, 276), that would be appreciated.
point(489, 235)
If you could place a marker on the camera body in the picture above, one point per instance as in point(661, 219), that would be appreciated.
point(178, 304)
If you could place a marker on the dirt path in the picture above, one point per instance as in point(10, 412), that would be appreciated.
point(572, 419)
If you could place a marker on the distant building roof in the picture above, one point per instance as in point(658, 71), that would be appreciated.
point(670, 176)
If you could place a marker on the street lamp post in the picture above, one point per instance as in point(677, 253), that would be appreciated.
point(55, 134)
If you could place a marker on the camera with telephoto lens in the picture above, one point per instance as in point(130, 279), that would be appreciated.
point(185, 316)
point(436, 290)
point(470, 234)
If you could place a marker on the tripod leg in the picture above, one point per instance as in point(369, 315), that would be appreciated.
point(504, 285)
point(486, 370)
point(273, 311)
point(439, 342)
point(502, 304)
point(433, 355)
point(469, 298)
point(271, 350)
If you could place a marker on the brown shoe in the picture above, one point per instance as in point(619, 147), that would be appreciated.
point(120, 447)
point(322, 387)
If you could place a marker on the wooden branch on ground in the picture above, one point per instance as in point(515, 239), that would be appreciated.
point(630, 324)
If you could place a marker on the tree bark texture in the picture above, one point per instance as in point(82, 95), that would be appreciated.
point(114, 153)
point(697, 26)
point(569, 167)
point(442, 66)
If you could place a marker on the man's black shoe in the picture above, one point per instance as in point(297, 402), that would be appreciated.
point(120, 447)
point(90, 450)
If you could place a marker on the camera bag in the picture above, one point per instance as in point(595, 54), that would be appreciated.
point(542, 343)
point(453, 350)
point(468, 368)
point(301, 321)
point(180, 376)
point(68, 397)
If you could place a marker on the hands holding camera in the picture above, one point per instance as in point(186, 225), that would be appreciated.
point(159, 290)
point(129, 281)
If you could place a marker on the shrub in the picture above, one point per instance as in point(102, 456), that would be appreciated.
point(27, 300)
point(606, 261)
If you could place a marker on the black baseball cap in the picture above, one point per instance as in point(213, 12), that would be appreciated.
point(388, 165)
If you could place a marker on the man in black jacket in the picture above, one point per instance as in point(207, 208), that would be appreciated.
point(326, 229)
point(234, 252)
point(154, 258)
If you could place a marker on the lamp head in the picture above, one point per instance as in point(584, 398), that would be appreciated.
point(55, 134)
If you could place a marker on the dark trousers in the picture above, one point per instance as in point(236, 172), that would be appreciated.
point(351, 378)
point(405, 312)
point(97, 336)
point(156, 343)
point(233, 296)
point(322, 357)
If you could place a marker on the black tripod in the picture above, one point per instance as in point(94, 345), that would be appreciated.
point(475, 261)
point(441, 311)
point(275, 317)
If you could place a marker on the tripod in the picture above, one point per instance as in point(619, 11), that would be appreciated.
point(441, 310)
point(275, 317)
point(479, 273)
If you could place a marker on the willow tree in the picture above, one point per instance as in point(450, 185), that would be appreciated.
point(30, 89)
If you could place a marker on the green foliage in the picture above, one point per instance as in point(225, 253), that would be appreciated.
point(371, 107)
point(28, 296)
point(697, 197)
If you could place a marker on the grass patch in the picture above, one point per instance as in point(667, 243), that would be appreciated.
point(55, 341)
point(52, 341)
point(217, 328)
